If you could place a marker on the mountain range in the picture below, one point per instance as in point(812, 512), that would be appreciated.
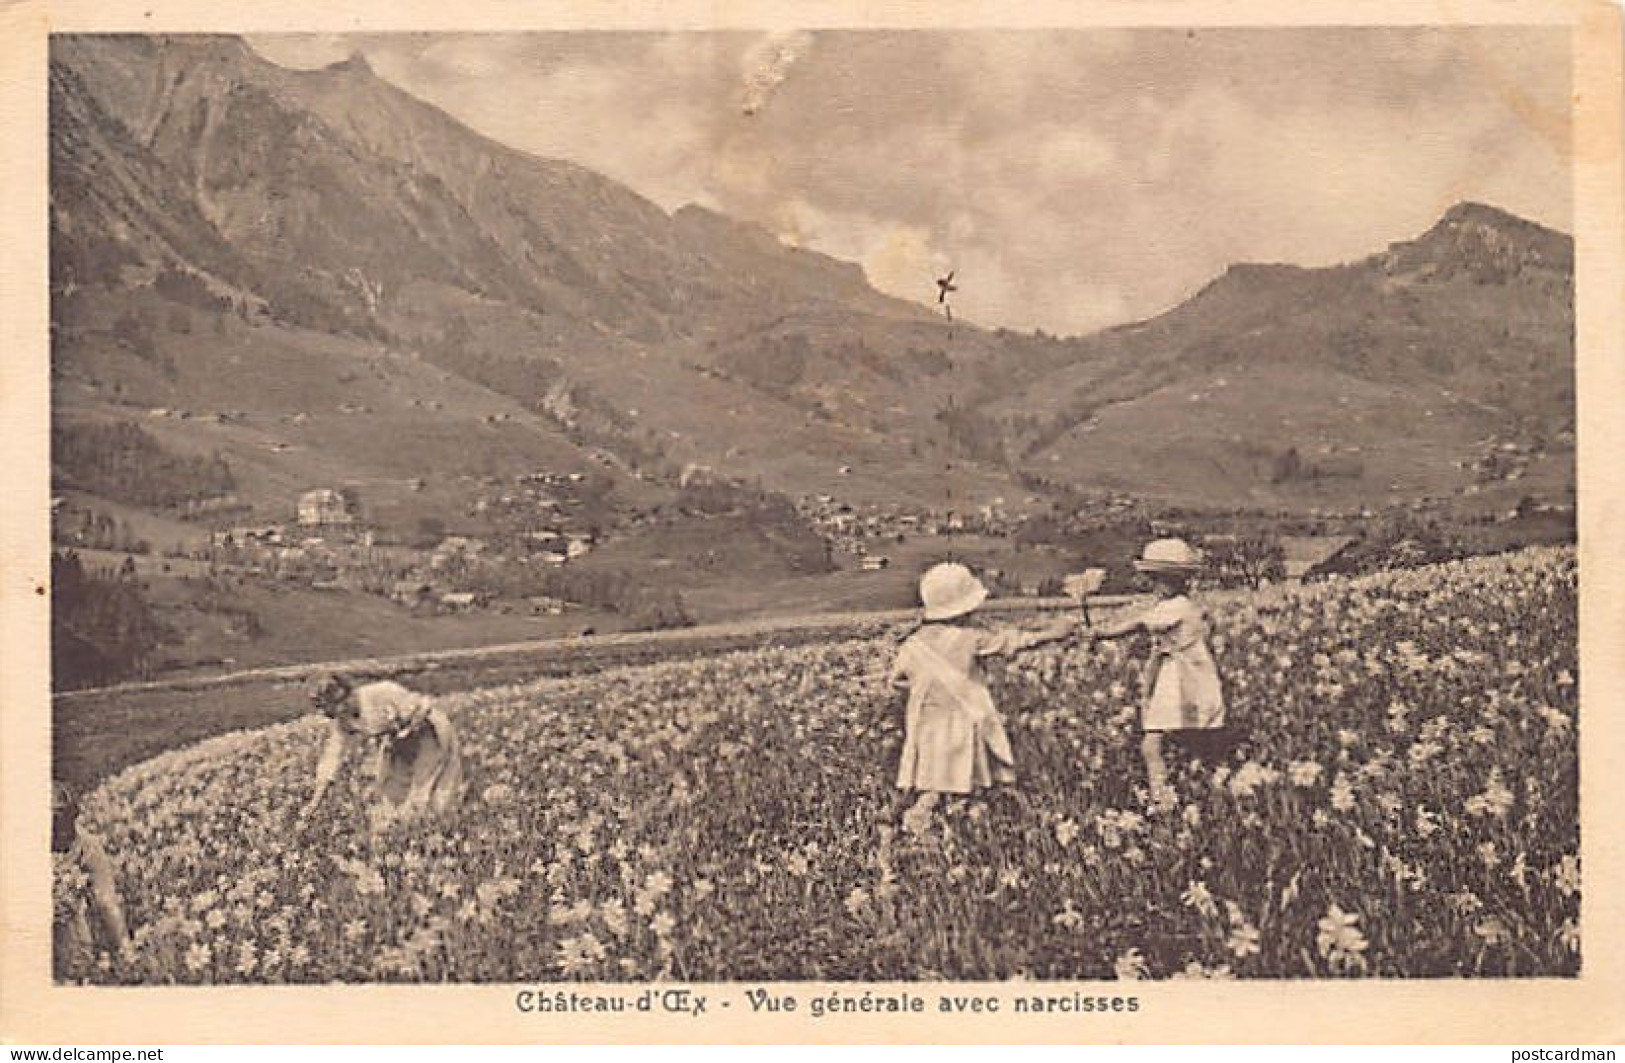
point(356, 288)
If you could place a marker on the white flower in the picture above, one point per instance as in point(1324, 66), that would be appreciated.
point(1566, 875)
point(1249, 777)
point(1243, 941)
point(247, 959)
point(857, 900)
point(1424, 751)
point(1569, 934)
point(1130, 966)
point(1340, 941)
point(1464, 902)
point(613, 913)
point(1068, 918)
point(198, 957)
point(1496, 800)
point(1304, 773)
point(1493, 931)
point(578, 954)
point(1342, 793)
point(1197, 896)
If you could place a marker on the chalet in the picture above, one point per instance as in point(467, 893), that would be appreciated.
point(269, 535)
point(874, 562)
point(410, 591)
point(454, 548)
point(457, 600)
point(696, 474)
point(324, 506)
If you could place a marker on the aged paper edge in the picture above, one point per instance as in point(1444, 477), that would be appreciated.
point(1588, 1009)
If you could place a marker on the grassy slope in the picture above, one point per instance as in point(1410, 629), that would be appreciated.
point(411, 419)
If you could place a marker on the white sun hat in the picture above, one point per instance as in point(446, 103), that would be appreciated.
point(949, 590)
point(1168, 555)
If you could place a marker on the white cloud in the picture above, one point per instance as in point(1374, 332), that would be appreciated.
point(303, 51)
point(1074, 178)
point(767, 63)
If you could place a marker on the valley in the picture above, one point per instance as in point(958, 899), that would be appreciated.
point(284, 282)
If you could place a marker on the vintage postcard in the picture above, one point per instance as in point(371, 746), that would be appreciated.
point(812, 522)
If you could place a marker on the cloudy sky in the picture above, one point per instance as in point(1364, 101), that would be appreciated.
point(1074, 179)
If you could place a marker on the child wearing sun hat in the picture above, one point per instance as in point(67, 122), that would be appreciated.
point(1180, 688)
point(954, 739)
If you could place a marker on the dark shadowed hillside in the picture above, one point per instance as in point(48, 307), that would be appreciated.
point(1391, 376)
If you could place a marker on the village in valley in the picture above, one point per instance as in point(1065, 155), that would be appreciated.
point(328, 546)
point(549, 554)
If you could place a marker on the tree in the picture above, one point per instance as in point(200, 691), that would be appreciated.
point(1246, 560)
point(1288, 467)
point(102, 629)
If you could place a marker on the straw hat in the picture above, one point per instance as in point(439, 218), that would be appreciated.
point(950, 590)
point(1168, 555)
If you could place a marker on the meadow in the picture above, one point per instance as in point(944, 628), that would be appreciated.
point(1404, 804)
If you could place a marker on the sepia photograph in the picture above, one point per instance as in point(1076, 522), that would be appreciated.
point(1072, 508)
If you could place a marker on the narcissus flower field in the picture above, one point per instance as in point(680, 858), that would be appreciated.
point(1404, 804)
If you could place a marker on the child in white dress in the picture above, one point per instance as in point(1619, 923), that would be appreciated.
point(1180, 688)
point(954, 738)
